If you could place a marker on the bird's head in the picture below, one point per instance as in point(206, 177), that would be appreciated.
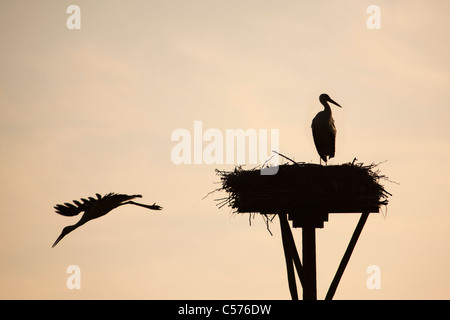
point(324, 98)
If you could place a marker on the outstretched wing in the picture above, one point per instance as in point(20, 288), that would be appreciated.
point(69, 210)
point(109, 201)
point(117, 198)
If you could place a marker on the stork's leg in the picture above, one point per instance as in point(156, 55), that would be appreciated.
point(152, 207)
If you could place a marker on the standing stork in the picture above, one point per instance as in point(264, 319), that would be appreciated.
point(95, 208)
point(324, 131)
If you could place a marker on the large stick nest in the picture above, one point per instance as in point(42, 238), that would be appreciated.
point(303, 187)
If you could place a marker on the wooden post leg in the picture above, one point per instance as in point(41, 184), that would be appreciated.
point(288, 242)
point(346, 256)
point(288, 255)
point(309, 261)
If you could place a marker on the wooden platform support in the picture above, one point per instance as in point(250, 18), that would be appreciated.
point(307, 272)
point(309, 262)
point(288, 255)
point(292, 259)
point(347, 255)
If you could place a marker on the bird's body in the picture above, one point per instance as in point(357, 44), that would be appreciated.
point(324, 130)
point(94, 208)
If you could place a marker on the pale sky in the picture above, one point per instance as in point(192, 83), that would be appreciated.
point(92, 111)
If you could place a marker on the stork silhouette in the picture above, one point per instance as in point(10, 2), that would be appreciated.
point(324, 130)
point(94, 208)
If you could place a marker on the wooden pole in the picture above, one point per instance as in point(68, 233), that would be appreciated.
point(290, 244)
point(309, 262)
point(346, 257)
point(288, 255)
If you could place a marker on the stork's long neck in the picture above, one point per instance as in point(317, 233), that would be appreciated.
point(327, 109)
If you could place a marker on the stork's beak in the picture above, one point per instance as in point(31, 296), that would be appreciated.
point(335, 103)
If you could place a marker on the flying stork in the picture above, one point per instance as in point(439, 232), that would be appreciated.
point(94, 208)
point(324, 131)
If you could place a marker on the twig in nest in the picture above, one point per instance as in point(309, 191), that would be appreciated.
point(266, 217)
point(267, 220)
point(266, 162)
point(285, 157)
point(211, 192)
